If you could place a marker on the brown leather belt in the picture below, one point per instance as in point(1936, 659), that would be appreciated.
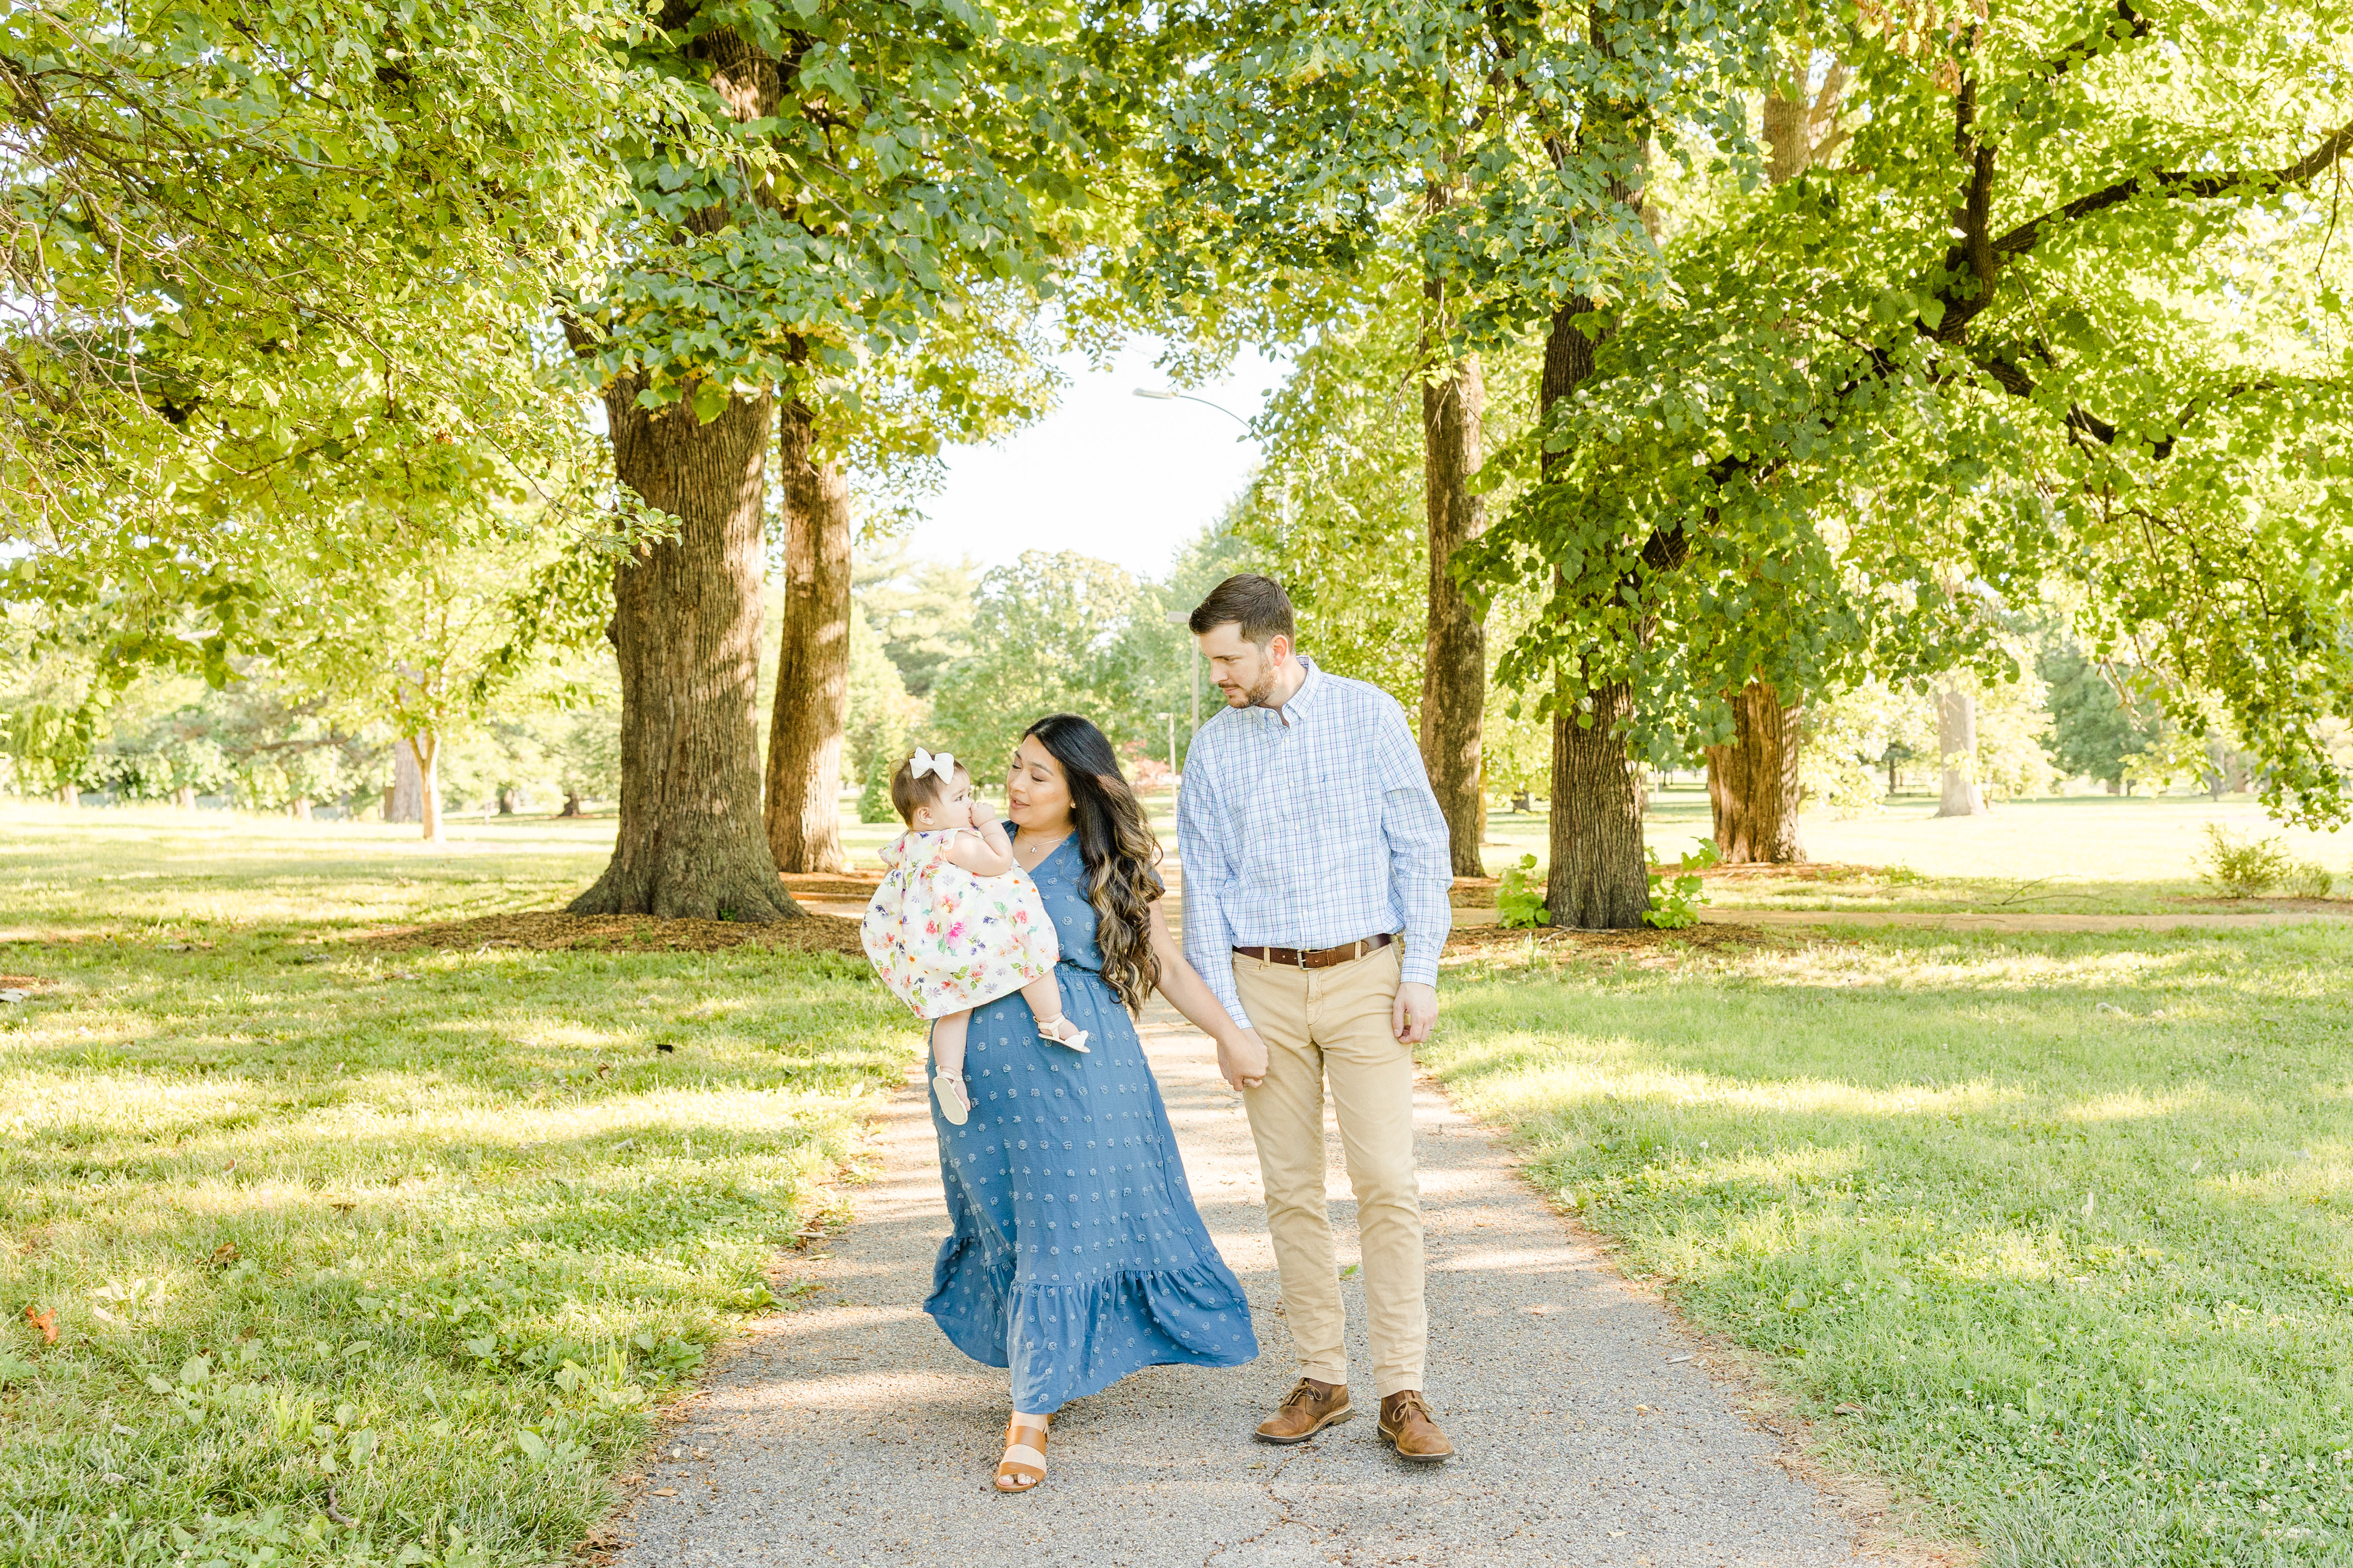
point(1317, 958)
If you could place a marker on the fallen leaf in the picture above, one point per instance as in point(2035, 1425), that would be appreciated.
point(1847, 1409)
point(342, 1204)
point(45, 1322)
point(225, 1254)
point(13, 994)
point(665, 1491)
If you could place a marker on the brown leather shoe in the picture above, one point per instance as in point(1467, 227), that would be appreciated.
point(1309, 1408)
point(1408, 1426)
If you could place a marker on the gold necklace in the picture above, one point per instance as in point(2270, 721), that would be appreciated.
point(1046, 849)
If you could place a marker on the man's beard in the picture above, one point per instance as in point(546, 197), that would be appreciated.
point(1258, 696)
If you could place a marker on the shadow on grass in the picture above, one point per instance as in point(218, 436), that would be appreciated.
point(2051, 1230)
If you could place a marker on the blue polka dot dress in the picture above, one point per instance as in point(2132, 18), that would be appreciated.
point(1078, 1256)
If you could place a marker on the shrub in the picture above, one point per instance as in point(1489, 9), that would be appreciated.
point(1675, 903)
point(2306, 879)
point(1519, 896)
point(2242, 868)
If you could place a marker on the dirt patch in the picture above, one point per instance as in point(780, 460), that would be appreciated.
point(2214, 903)
point(551, 931)
point(1497, 941)
point(21, 983)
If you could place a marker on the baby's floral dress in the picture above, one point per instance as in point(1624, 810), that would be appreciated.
point(946, 940)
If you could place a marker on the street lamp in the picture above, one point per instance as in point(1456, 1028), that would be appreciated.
point(1157, 395)
point(1170, 718)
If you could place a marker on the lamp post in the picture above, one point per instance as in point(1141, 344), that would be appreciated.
point(1159, 395)
point(1185, 618)
point(1170, 719)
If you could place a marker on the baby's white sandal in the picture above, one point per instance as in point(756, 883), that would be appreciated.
point(1062, 1032)
point(955, 1102)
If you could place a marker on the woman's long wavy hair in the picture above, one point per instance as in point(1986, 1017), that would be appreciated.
point(1117, 847)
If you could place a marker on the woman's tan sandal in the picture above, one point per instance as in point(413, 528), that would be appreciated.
point(1062, 1032)
point(955, 1102)
point(1024, 1465)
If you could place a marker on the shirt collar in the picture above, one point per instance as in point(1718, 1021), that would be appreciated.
point(1302, 700)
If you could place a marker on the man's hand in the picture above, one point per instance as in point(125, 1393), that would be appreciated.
point(1241, 1059)
point(1413, 1012)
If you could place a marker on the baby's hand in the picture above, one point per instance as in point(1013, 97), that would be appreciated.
point(979, 816)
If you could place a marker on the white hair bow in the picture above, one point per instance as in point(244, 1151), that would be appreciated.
point(943, 764)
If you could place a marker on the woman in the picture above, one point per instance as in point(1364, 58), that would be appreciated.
point(1078, 1256)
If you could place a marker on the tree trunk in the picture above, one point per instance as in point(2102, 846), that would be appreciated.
point(686, 617)
point(1454, 654)
point(424, 750)
point(1956, 738)
point(1597, 818)
point(1752, 783)
point(68, 795)
point(812, 711)
point(1755, 799)
point(183, 799)
point(299, 808)
point(686, 634)
point(404, 801)
point(571, 804)
point(1597, 878)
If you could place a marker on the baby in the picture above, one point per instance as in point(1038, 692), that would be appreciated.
point(956, 924)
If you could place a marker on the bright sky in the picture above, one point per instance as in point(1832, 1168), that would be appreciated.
point(1108, 474)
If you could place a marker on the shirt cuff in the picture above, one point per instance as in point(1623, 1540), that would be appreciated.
point(1418, 968)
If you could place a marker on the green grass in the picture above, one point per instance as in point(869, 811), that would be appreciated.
point(2065, 1219)
point(2074, 854)
point(438, 1229)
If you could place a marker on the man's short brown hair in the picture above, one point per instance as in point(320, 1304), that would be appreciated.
point(910, 795)
point(1255, 603)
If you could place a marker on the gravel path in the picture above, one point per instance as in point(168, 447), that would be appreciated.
point(1588, 1430)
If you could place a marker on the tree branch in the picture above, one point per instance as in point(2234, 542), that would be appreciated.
point(2082, 423)
point(2084, 51)
point(2182, 183)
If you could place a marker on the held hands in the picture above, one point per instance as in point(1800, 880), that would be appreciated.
point(1413, 1012)
point(1242, 1058)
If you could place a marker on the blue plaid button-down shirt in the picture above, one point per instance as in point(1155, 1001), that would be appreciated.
point(1311, 825)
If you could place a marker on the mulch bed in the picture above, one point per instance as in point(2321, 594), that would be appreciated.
point(830, 884)
point(551, 932)
point(1497, 941)
point(1804, 871)
point(1479, 892)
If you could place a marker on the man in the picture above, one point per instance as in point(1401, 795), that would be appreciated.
point(1311, 845)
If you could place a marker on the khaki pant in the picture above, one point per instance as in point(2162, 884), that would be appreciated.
point(1334, 1023)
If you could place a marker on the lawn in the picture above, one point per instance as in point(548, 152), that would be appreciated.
point(437, 1229)
point(2051, 1231)
point(2070, 855)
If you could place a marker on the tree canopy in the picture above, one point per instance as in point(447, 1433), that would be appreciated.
point(2065, 308)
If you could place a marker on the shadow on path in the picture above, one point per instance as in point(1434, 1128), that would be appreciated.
point(852, 1432)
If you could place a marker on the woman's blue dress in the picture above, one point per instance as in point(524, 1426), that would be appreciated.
point(1078, 1256)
